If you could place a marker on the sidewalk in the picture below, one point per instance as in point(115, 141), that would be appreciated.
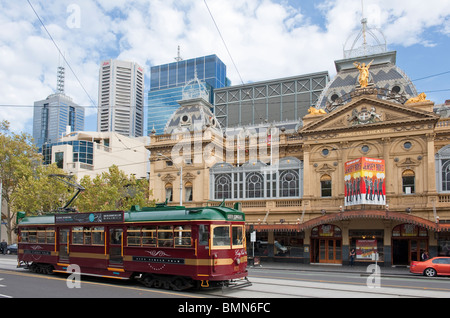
point(385, 271)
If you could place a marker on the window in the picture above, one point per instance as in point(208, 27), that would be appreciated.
point(325, 185)
point(182, 235)
point(169, 192)
point(188, 191)
point(237, 236)
point(256, 180)
point(88, 235)
point(221, 236)
point(59, 159)
point(134, 236)
point(165, 236)
point(289, 184)
point(149, 236)
point(254, 185)
point(44, 235)
point(408, 181)
point(446, 175)
point(222, 186)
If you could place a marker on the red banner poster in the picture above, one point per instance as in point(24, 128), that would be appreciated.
point(365, 182)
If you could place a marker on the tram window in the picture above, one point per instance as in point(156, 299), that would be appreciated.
point(134, 236)
point(98, 237)
point(29, 235)
point(49, 235)
point(221, 236)
point(77, 235)
point(182, 235)
point(203, 234)
point(87, 236)
point(237, 235)
point(41, 235)
point(165, 236)
point(32, 235)
point(149, 236)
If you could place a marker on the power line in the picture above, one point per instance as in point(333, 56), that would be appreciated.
point(434, 75)
point(61, 54)
point(226, 47)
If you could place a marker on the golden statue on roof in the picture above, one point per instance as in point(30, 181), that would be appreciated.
point(363, 73)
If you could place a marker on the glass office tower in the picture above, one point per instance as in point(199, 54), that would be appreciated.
point(167, 82)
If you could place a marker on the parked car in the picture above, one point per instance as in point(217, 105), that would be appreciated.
point(431, 267)
point(11, 249)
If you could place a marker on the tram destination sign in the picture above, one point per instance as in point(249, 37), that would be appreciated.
point(94, 217)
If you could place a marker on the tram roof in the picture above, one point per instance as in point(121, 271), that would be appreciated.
point(149, 214)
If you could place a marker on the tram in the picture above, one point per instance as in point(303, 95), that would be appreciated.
point(164, 247)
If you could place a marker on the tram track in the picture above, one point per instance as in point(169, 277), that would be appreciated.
point(264, 287)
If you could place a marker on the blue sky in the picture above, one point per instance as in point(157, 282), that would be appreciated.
point(266, 38)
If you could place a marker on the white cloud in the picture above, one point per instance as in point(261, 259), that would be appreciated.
point(267, 39)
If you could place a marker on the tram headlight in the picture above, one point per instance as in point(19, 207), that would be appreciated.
point(238, 261)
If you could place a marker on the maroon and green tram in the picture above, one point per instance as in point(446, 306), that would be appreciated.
point(165, 247)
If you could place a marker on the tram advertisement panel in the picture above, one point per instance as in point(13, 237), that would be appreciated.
point(365, 182)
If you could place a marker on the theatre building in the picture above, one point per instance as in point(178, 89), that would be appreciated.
point(367, 169)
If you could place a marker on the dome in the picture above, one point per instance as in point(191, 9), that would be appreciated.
point(193, 114)
point(384, 75)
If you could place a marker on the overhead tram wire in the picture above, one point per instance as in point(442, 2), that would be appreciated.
point(61, 54)
point(223, 40)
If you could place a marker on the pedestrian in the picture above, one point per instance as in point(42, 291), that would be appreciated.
point(4, 247)
point(352, 256)
point(425, 256)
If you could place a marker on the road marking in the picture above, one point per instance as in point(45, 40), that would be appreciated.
point(149, 290)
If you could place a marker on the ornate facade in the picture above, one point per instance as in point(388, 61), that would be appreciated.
point(290, 181)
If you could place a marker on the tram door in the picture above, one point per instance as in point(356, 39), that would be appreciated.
point(64, 241)
point(115, 246)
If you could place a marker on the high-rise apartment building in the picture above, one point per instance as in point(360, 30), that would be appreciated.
point(167, 82)
point(54, 114)
point(121, 98)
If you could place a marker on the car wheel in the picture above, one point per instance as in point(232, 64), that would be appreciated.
point(430, 272)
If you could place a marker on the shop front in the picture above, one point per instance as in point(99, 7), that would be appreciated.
point(409, 242)
point(326, 244)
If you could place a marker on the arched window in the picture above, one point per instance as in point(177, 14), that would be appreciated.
point(289, 183)
point(254, 184)
point(446, 175)
point(408, 182)
point(325, 185)
point(188, 191)
point(222, 186)
point(169, 192)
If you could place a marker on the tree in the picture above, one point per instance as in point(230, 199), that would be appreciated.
point(112, 190)
point(18, 157)
point(39, 193)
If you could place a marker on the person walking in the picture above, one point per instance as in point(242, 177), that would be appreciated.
point(4, 247)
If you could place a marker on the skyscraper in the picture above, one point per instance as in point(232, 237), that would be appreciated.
point(167, 82)
point(121, 98)
point(53, 114)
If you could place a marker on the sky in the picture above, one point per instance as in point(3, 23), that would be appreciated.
point(266, 39)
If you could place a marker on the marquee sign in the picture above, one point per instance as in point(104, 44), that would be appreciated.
point(365, 182)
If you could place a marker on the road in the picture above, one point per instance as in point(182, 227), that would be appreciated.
point(267, 284)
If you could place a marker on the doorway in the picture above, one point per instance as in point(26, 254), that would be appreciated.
point(116, 246)
point(326, 244)
point(64, 241)
point(327, 251)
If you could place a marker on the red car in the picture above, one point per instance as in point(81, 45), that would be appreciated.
point(432, 267)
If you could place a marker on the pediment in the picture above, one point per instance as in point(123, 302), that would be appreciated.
point(367, 113)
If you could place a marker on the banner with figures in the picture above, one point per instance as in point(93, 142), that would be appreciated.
point(365, 181)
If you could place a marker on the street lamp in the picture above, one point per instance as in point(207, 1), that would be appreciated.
point(180, 168)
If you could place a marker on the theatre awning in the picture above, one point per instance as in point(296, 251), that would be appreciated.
point(375, 214)
point(349, 215)
point(279, 227)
